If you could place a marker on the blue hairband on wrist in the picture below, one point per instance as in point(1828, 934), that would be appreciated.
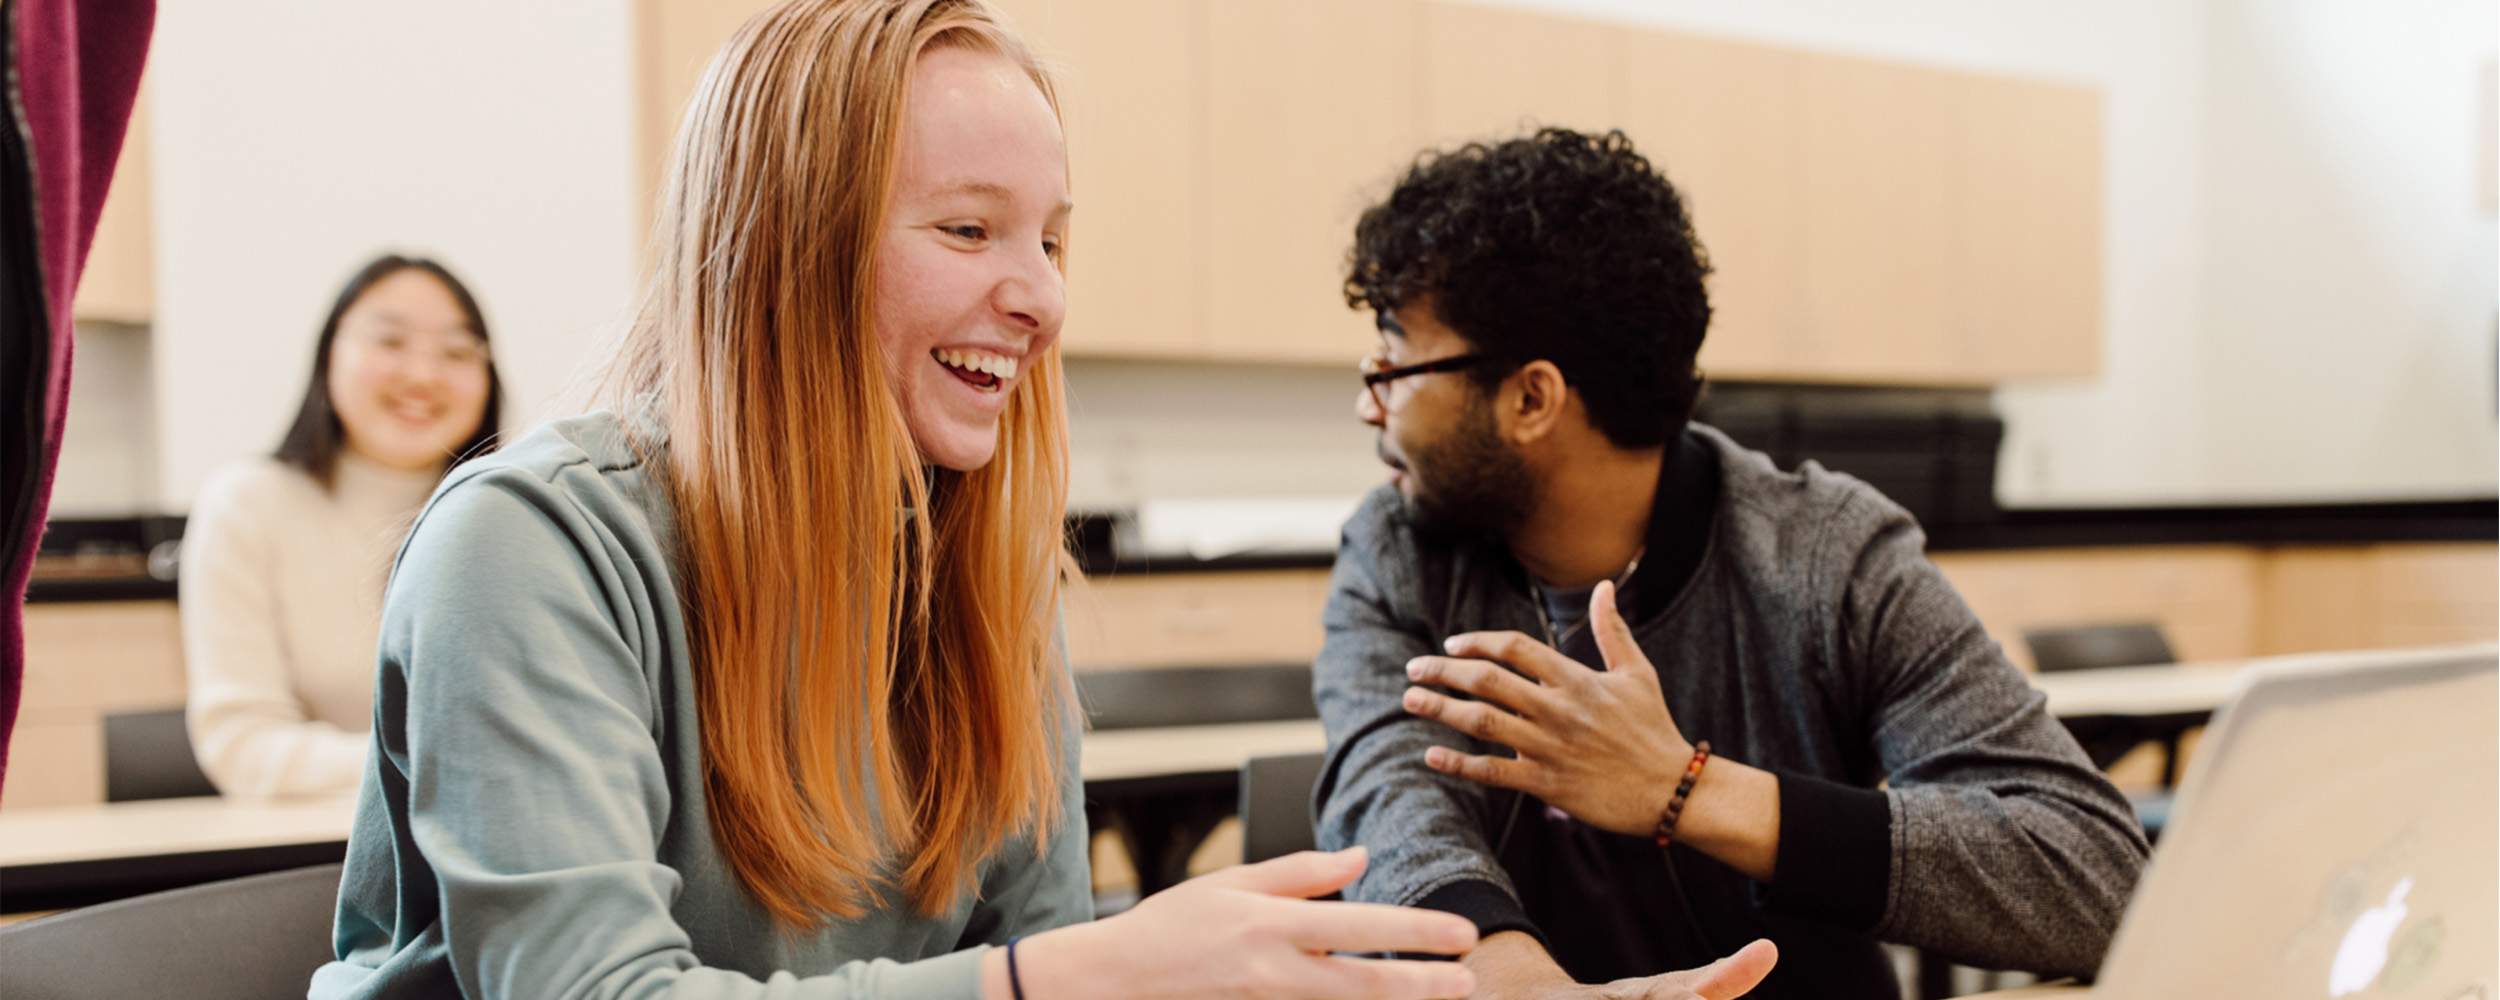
point(1015, 983)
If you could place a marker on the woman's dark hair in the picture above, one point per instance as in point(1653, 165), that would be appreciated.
point(313, 442)
point(1560, 246)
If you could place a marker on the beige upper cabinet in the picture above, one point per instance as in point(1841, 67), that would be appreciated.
point(1130, 93)
point(1881, 268)
point(674, 42)
point(2029, 214)
point(1721, 120)
point(119, 283)
point(1867, 221)
point(1292, 160)
point(1492, 74)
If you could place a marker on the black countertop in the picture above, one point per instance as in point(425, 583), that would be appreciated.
point(80, 556)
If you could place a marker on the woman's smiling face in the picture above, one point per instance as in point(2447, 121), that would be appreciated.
point(408, 376)
point(968, 289)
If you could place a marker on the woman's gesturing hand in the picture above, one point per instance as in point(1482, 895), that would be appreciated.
point(1249, 932)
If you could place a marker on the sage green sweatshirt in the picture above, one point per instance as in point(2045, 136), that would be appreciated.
point(533, 822)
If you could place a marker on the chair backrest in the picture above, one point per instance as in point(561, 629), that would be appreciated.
point(1276, 804)
point(241, 939)
point(147, 755)
point(2133, 644)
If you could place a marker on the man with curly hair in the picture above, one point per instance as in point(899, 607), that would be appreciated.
point(1622, 691)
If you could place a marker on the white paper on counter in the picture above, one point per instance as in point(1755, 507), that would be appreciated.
point(1207, 529)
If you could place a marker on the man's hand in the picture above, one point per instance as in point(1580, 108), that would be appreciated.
point(1512, 966)
point(1724, 979)
point(1599, 745)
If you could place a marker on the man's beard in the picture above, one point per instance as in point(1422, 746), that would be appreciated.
point(1470, 481)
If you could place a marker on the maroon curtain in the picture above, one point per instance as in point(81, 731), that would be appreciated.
point(73, 70)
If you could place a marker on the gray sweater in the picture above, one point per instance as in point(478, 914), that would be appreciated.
point(1927, 797)
point(532, 822)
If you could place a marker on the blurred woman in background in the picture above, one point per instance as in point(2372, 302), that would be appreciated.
point(285, 555)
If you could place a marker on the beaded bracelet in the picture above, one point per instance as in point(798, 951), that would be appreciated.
point(1015, 983)
point(1683, 789)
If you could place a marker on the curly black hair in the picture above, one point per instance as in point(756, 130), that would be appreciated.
point(1560, 246)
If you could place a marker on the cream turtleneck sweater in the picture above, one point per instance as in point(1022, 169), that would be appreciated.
point(281, 605)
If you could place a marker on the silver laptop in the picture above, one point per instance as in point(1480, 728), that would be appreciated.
point(2338, 835)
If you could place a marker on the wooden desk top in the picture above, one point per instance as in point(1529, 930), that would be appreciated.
point(55, 834)
point(2162, 690)
point(2199, 687)
point(1146, 753)
point(36, 836)
point(51, 835)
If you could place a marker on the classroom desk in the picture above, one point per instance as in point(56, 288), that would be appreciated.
point(1157, 786)
point(2173, 689)
point(62, 856)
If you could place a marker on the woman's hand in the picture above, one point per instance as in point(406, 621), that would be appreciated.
point(1249, 931)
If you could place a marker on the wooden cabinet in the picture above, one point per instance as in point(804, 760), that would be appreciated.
point(1878, 268)
point(1130, 92)
point(674, 40)
point(2204, 597)
point(1292, 159)
point(1869, 222)
point(1490, 73)
point(1196, 619)
point(2028, 218)
point(84, 662)
point(1722, 120)
point(2362, 596)
point(2232, 601)
point(119, 283)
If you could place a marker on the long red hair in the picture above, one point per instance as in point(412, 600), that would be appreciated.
point(881, 698)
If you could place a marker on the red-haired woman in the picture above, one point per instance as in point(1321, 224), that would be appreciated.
point(746, 684)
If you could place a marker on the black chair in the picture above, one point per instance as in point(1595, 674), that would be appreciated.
point(242, 939)
point(2090, 647)
point(1276, 805)
point(147, 755)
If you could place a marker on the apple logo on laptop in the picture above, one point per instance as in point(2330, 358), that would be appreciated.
point(2364, 951)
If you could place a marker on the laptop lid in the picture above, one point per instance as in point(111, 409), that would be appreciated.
point(2338, 835)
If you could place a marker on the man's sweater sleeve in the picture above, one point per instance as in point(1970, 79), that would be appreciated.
point(1425, 829)
point(2008, 849)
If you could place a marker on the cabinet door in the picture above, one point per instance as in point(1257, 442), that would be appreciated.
point(1720, 119)
point(676, 41)
point(119, 283)
point(1310, 113)
point(1881, 270)
point(1130, 91)
point(1196, 619)
point(1490, 73)
point(2030, 220)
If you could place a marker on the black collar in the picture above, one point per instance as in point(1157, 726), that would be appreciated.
point(1680, 522)
point(1682, 515)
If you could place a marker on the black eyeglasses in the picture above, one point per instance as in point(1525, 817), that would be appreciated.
point(1377, 374)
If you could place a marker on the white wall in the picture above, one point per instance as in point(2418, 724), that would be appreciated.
point(2299, 287)
point(108, 448)
point(295, 140)
point(2351, 290)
